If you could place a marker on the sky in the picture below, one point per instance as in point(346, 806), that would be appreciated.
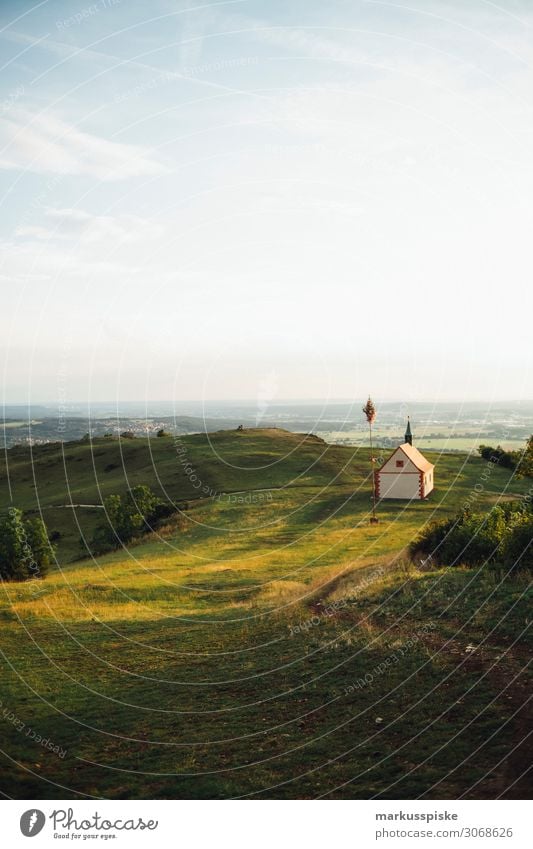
point(266, 199)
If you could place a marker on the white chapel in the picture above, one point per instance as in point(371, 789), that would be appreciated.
point(406, 474)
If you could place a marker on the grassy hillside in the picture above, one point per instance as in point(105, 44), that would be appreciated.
point(224, 655)
point(56, 478)
point(51, 478)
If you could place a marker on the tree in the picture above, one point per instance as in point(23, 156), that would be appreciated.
point(41, 548)
point(123, 521)
point(143, 502)
point(126, 517)
point(12, 536)
point(25, 550)
point(370, 412)
point(525, 463)
point(113, 507)
point(518, 547)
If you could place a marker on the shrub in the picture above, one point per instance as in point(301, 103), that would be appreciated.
point(476, 539)
point(522, 461)
point(163, 511)
point(518, 547)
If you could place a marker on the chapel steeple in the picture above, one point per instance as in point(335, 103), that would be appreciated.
point(408, 434)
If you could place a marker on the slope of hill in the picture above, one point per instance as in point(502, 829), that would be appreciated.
point(268, 641)
point(67, 482)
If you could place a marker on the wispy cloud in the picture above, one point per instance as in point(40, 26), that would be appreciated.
point(111, 63)
point(47, 144)
point(83, 227)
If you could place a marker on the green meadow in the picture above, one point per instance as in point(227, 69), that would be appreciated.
point(448, 438)
point(267, 641)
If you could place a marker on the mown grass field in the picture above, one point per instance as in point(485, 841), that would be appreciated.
point(267, 642)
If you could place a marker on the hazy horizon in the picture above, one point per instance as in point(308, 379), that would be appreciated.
point(278, 401)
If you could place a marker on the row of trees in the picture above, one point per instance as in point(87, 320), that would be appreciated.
point(521, 461)
point(501, 537)
point(128, 517)
point(25, 550)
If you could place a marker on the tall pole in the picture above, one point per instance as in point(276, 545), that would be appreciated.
point(374, 520)
point(370, 412)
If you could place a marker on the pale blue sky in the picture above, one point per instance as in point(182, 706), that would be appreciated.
point(303, 199)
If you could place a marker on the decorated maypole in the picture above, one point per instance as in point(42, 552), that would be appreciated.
point(370, 412)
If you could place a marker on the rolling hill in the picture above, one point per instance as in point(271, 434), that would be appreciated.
point(267, 641)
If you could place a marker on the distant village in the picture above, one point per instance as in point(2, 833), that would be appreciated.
point(439, 427)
